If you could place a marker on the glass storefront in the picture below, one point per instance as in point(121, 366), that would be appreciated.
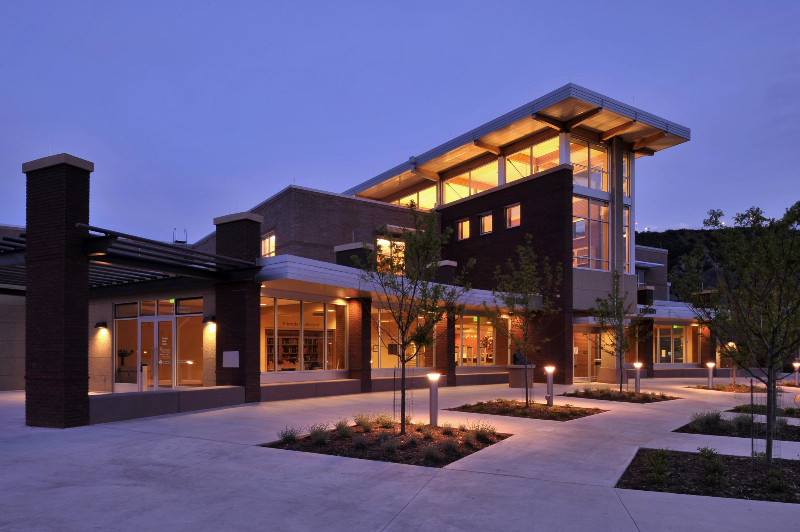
point(320, 328)
point(385, 348)
point(676, 344)
point(480, 343)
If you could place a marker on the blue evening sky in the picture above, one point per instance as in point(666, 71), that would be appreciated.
point(192, 110)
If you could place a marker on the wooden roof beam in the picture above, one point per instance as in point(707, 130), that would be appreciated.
point(433, 176)
point(647, 141)
point(644, 151)
point(583, 117)
point(549, 120)
point(614, 131)
point(488, 147)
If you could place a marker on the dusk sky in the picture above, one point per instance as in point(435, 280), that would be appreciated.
point(195, 110)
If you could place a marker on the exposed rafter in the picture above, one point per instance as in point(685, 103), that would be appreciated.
point(583, 117)
point(549, 120)
point(614, 131)
point(644, 151)
point(433, 176)
point(488, 147)
point(647, 141)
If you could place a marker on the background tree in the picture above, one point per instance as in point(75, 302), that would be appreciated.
point(754, 309)
point(623, 323)
point(401, 274)
point(525, 301)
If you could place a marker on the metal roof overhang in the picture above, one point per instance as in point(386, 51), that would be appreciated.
point(563, 105)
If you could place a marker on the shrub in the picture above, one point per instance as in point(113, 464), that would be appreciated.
point(390, 446)
point(408, 420)
point(427, 431)
point(462, 427)
point(712, 467)
point(288, 434)
point(360, 441)
point(781, 424)
point(318, 433)
point(365, 421)
point(447, 429)
point(705, 420)
point(657, 467)
point(384, 420)
point(449, 446)
point(483, 431)
point(741, 422)
point(775, 482)
point(413, 440)
point(344, 429)
point(469, 439)
point(431, 454)
point(384, 436)
point(791, 411)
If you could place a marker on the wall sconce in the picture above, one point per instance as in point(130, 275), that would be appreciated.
point(101, 325)
point(209, 319)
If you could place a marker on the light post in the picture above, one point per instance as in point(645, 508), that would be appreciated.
point(549, 370)
point(638, 366)
point(434, 387)
point(796, 373)
point(710, 374)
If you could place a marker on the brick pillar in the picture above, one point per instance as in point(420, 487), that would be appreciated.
point(708, 352)
point(238, 307)
point(646, 350)
point(359, 334)
point(57, 292)
point(446, 350)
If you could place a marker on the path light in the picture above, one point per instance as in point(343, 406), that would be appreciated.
point(549, 370)
point(710, 374)
point(434, 387)
point(638, 366)
point(796, 373)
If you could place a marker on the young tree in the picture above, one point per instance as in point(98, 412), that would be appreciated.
point(623, 323)
point(525, 301)
point(754, 309)
point(400, 271)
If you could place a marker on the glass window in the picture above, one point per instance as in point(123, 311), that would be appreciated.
point(126, 310)
point(469, 341)
point(456, 188)
point(268, 326)
point(590, 164)
point(486, 342)
point(486, 224)
point(375, 340)
point(190, 306)
point(626, 174)
point(545, 155)
point(518, 165)
point(268, 244)
point(513, 216)
point(501, 346)
point(463, 229)
point(288, 335)
point(626, 227)
point(589, 233)
point(313, 336)
point(127, 343)
point(337, 336)
point(190, 350)
point(424, 199)
point(472, 182)
point(641, 277)
point(166, 307)
point(147, 308)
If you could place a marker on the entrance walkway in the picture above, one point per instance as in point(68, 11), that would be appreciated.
point(202, 470)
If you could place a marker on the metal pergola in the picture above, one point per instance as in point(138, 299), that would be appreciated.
point(117, 258)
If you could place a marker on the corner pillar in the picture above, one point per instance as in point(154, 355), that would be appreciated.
point(238, 310)
point(446, 349)
point(57, 292)
point(645, 349)
point(359, 332)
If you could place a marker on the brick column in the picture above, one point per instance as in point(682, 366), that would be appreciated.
point(646, 350)
point(359, 332)
point(446, 350)
point(238, 307)
point(57, 292)
point(708, 351)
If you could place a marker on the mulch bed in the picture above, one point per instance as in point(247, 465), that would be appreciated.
point(513, 408)
point(625, 396)
point(408, 449)
point(734, 430)
point(738, 388)
point(681, 472)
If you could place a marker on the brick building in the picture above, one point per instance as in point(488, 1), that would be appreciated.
point(269, 306)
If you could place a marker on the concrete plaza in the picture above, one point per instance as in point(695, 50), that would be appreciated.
point(203, 471)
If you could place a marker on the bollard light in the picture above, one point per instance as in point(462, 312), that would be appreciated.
point(638, 366)
point(549, 370)
point(796, 373)
point(710, 374)
point(434, 388)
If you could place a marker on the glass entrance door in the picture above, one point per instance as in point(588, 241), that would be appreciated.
point(157, 341)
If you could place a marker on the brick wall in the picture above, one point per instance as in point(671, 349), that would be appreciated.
point(358, 345)
point(12, 342)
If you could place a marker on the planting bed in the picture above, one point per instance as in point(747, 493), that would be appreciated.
point(789, 411)
point(421, 445)
point(506, 407)
point(733, 388)
point(711, 474)
point(625, 396)
point(712, 424)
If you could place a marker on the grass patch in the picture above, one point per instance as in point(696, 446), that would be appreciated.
point(625, 396)
point(709, 473)
point(514, 408)
point(713, 424)
point(370, 440)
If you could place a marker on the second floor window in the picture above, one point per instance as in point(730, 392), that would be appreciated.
point(486, 224)
point(463, 229)
point(590, 164)
point(589, 233)
point(268, 244)
point(626, 174)
point(513, 217)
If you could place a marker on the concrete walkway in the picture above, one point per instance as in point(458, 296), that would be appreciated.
point(203, 471)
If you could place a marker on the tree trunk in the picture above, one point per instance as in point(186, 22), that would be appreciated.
point(402, 393)
point(527, 398)
point(771, 411)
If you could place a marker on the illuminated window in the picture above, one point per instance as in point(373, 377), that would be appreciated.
point(589, 233)
point(470, 183)
point(391, 248)
point(268, 245)
point(590, 164)
point(463, 229)
point(512, 216)
point(538, 158)
point(626, 227)
point(424, 199)
point(626, 174)
point(486, 224)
